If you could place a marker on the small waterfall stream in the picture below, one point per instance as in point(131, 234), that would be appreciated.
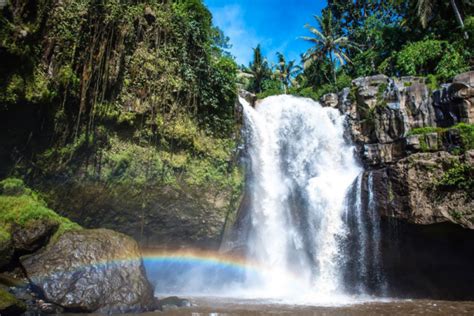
point(310, 214)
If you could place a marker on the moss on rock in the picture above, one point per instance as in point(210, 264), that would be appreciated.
point(9, 305)
point(22, 207)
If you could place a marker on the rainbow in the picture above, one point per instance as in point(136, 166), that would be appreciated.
point(199, 257)
point(158, 258)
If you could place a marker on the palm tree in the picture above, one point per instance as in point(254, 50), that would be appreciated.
point(286, 71)
point(327, 43)
point(424, 10)
point(258, 69)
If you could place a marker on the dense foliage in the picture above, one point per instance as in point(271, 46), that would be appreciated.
point(397, 38)
point(121, 91)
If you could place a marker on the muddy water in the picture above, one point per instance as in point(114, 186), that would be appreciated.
point(227, 307)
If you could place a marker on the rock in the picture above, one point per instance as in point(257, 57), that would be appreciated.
point(6, 251)
point(248, 96)
point(91, 271)
point(381, 111)
point(431, 140)
point(413, 143)
point(172, 302)
point(34, 236)
point(367, 89)
point(330, 99)
point(416, 102)
point(389, 124)
point(455, 102)
point(379, 154)
point(466, 78)
point(469, 157)
point(9, 305)
point(408, 189)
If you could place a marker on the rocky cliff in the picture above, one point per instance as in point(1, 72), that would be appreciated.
point(418, 144)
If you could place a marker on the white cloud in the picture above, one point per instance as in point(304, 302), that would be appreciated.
point(230, 19)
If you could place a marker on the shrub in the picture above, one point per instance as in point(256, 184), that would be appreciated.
point(430, 57)
point(458, 176)
point(467, 134)
point(12, 186)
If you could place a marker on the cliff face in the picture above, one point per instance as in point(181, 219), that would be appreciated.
point(417, 149)
point(417, 144)
point(121, 115)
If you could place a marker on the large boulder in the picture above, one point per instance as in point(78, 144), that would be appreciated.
point(91, 271)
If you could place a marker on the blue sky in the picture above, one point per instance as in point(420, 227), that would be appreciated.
point(275, 24)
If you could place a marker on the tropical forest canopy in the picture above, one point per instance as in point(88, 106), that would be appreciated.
point(350, 39)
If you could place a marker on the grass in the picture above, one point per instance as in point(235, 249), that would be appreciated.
point(21, 206)
point(425, 130)
point(466, 132)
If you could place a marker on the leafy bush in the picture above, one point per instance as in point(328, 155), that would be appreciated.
point(430, 56)
point(467, 134)
point(458, 176)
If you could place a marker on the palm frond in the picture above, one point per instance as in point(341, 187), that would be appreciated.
point(315, 31)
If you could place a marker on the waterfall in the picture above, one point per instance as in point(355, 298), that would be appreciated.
point(307, 210)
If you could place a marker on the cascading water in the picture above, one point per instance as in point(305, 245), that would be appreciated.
point(301, 172)
point(309, 226)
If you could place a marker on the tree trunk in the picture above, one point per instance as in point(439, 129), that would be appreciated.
point(333, 65)
point(458, 17)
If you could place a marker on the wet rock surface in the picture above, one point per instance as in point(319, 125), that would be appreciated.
point(381, 111)
point(91, 270)
point(172, 302)
point(6, 252)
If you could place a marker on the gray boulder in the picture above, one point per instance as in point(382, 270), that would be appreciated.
point(92, 271)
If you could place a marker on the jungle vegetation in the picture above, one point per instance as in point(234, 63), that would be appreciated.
point(136, 95)
point(350, 39)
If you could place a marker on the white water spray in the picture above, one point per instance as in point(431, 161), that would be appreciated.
point(300, 171)
point(309, 225)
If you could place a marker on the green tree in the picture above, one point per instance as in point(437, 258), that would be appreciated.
point(425, 10)
point(259, 70)
point(286, 71)
point(328, 43)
